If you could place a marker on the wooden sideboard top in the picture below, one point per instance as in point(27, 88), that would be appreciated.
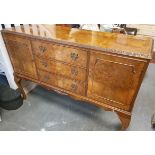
point(136, 46)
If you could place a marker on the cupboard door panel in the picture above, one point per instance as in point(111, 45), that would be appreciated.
point(21, 55)
point(113, 80)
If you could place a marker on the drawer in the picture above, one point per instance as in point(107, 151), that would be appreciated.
point(60, 52)
point(61, 82)
point(59, 68)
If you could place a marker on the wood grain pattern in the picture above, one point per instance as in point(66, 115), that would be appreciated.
point(21, 55)
point(113, 80)
point(65, 83)
point(137, 46)
point(101, 68)
point(59, 52)
point(60, 68)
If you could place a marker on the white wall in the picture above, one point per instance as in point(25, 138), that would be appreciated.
point(6, 65)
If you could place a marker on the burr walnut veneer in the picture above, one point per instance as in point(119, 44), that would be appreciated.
point(105, 69)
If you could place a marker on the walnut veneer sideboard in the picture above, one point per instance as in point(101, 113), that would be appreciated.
point(105, 69)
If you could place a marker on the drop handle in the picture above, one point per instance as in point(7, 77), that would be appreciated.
point(74, 87)
point(74, 71)
point(42, 49)
point(74, 56)
point(44, 64)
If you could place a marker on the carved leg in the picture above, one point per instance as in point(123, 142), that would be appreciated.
point(125, 120)
point(18, 82)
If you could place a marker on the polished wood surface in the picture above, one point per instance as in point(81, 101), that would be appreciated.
point(22, 62)
point(66, 54)
point(113, 80)
point(61, 82)
point(137, 46)
point(63, 69)
point(81, 64)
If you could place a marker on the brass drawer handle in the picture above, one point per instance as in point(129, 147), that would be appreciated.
point(74, 71)
point(45, 64)
point(42, 49)
point(74, 87)
point(74, 56)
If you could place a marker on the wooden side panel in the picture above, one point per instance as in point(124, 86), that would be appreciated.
point(61, 82)
point(114, 80)
point(59, 68)
point(21, 55)
point(63, 53)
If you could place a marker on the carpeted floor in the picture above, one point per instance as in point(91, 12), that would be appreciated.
point(47, 110)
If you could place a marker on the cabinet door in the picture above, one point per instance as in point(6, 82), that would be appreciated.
point(114, 80)
point(21, 55)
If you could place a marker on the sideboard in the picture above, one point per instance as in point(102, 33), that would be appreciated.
point(105, 69)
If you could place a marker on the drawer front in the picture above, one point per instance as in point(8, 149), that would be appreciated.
point(56, 67)
point(61, 82)
point(59, 52)
point(114, 80)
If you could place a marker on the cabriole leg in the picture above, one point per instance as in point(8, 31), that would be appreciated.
point(125, 120)
point(18, 82)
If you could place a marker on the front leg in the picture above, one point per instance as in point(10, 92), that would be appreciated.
point(18, 82)
point(125, 120)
